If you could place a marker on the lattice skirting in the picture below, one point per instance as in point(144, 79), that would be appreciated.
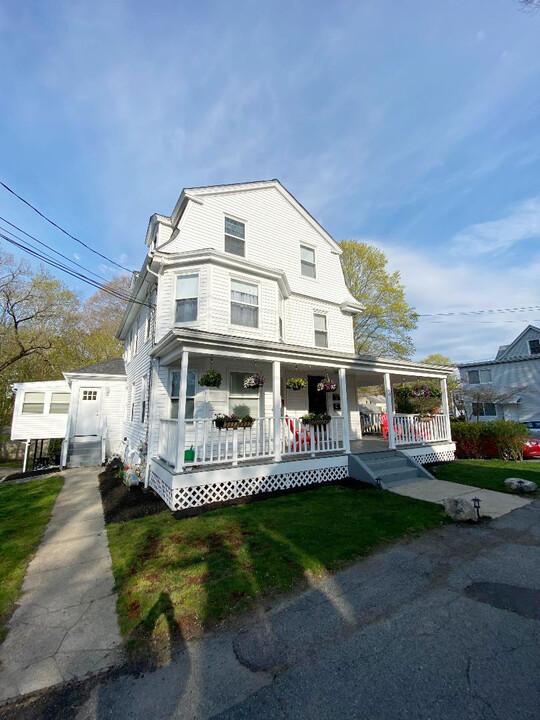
point(198, 495)
point(433, 457)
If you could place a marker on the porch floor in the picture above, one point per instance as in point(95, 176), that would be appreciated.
point(369, 443)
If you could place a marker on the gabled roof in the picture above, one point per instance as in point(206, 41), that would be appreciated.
point(113, 366)
point(508, 348)
point(197, 193)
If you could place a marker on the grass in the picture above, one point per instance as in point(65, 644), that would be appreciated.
point(25, 509)
point(11, 464)
point(489, 474)
point(177, 577)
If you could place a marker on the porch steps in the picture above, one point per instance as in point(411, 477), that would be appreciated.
point(386, 469)
point(84, 452)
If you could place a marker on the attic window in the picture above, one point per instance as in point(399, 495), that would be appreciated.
point(534, 347)
point(307, 261)
point(235, 237)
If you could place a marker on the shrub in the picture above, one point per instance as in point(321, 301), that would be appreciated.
point(423, 399)
point(499, 438)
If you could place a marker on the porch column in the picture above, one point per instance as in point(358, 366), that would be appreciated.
point(25, 459)
point(344, 410)
point(445, 408)
point(181, 429)
point(276, 390)
point(389, 411)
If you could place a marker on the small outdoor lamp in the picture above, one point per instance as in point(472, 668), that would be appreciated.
point(476, 503)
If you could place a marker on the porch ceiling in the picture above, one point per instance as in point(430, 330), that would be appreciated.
point(367, 368)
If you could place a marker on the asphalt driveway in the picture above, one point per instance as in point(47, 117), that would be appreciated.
point(445, 626)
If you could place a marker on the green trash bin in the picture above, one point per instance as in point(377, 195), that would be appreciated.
point(189, 455)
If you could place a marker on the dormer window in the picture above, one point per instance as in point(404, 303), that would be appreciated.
point(244, 304)
point(235, 237)
point(187, 298)
point(307, 261)
point(534, 347)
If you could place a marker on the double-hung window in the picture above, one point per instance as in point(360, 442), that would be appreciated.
point(242, 401)
point(321, 331)
point(187, 298)
point(479, 377)
point(59, 403)
point(484, 410)
point(144, 393)
point(534, 347)
point(33, 403)
point(307, 261)
point(244, 304)
point(235, 237)
point(191, 390)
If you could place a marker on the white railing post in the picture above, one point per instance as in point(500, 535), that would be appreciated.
point(445, 408)
point(181, 434)
point(389, 411)
point(276, 390)
point(344, 410)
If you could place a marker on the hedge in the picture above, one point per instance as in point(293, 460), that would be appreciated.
point(499, 438)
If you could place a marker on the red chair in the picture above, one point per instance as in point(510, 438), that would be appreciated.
point(384, 426)
point(302, 437)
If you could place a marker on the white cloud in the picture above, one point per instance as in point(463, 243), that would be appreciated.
point(523, 223)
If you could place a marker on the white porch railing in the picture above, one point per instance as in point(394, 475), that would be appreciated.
point(168, 441)
point(297, 439)
point(412, 429)
point(217, 445)
point(371, 424)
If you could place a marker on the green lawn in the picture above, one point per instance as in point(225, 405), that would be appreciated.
point(24, 513)
point(489, 474)
point(11, 465)
point(177, 577)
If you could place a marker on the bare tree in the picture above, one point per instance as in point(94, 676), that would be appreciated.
point(468, 399)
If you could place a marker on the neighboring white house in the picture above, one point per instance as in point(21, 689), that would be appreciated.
point(516, 365)
point(242, 280)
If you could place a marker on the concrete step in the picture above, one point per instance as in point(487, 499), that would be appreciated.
point(398, 474)
point(384, 463)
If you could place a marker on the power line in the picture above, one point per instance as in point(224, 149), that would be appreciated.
point(530, 308)
point(69, 271)
point(59, 227)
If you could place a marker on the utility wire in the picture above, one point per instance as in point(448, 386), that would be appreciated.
point(530, 308)
point(59, 227)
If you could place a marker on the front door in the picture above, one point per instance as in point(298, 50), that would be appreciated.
point(88, 411)
point(316, 399)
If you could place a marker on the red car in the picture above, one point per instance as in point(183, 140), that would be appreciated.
point(531, 448)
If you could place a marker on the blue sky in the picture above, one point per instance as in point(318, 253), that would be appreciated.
point(414, 126)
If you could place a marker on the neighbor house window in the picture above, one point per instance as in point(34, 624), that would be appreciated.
point(307, 261)
point(534, 347)
point(33, 403)
point(144, 391)
point(242, 401)
point(190, 393)
point(235, 237)
point(187, 298)
point(244, 304)
point(321, 333)
point(59, 403)
point(484, 409)
point(477, 377)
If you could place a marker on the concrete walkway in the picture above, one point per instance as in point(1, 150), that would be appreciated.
point(65, 625)
point(493, 504)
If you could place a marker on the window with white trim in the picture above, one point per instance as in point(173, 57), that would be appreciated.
point(187, 298)
point(479, 377)
point(59, 403)
point(484, 410)
point(534, 347)
point(33, 403)
point(244, 304)
point(321, 331)
point(235, 237)
point(144, 392)
point(147, 324)
point(191, 391)
point(307, 261)
point(242, 401)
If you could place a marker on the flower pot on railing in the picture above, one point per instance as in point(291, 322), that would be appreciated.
point(253, 382)
point(296, 384)
point(327, 385)
point(231, 422)
point(315, 419)
point(211, 379)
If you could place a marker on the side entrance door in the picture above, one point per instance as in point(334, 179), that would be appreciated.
point(316, 399)
point(88, 411)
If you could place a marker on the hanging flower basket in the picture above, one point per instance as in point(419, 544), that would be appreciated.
point(211, 379)
point(296, 384)
point(327, 385)
point(231, 422)
point(315, 419)
point(252, 382)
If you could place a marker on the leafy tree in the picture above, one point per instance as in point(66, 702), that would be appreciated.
point(384, 327)
point(438, 359)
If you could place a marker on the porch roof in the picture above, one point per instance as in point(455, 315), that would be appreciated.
point(170, 347)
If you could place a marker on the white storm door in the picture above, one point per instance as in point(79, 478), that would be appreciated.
point(88, 411)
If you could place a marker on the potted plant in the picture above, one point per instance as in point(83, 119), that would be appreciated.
point(232, 422)
point(212, 378)
point(315, 419)
point(327, 385)
point(254, 381)
point(296, 384)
